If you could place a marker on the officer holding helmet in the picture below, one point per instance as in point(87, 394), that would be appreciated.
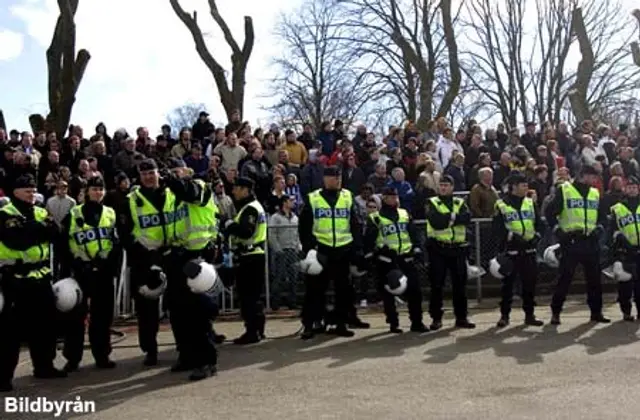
point(188, 312)
point(90, 252)
point(391, 238)
point(625, 227)
point(577, 223)
point(447, 220)
point(26, 232)
point(148, 230)
point(516, 225)
point(247, 233)
point(329, 224)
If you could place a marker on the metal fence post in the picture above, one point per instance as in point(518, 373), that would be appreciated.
point(478, 262)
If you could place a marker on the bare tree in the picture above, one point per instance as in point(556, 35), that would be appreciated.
point(65, 71)
point(185, 115)
point(410, 48)
point(232, 98)
point(635, 47)
point(316, 80)
point(580, 88)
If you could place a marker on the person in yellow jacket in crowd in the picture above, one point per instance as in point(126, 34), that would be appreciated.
point(577, 220)
point(26, 232)
point(90, 254)
point(247, 235)
point(448, 218)
point(148, 229)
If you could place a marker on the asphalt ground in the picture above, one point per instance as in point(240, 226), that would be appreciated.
point(578, 370)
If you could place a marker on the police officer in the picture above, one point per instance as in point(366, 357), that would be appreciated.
point(625, 227)
point(516, 225)
point(329, 224)
point(247, 234)
point(447, 220)
point(391, 235)
point(574, 216)
point(188, 312)
point(29, 310)
point(90, 252)
point(148, 230)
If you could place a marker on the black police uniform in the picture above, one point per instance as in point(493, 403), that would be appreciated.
point(577, 249)
point(29, 311)
point(335, 269)
point(522, 254)
point(141, 259)
point(249, 269)
point(451, 258)
point(96, 279)
point(387, 260)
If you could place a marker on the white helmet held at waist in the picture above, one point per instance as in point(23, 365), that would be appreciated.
point(67, 293)
point(501, 266)
point(620, 272)
point(475, 271)
point(396, 282)
point(155, 285)
point(551, 255)
point(311, 265)
point(202, 278)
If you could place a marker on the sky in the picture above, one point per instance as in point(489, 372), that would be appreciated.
point(143, 62)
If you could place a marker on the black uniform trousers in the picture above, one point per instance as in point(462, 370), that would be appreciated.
point(525, 268)
point(29, 315)
point(250, 281)
point(413, 294)
point(628, 290)
point(190, 321)
point(98, 301)
point(443, 261)
point(147, 311)
point(336, 269)
point(586, 253)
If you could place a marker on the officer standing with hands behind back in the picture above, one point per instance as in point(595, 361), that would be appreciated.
point(516, 225)
point(448, 218)
point(26, 232)
point(329, 224)
point(247, 233)
point(90, 253)
point(577, 223)
point(391, 239)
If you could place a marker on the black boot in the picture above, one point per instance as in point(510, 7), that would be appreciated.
point(394, 328)
point(151, 359)
point(555, 319)
point(628, 317)
point(341, 331)
point(419, 327)
point(599, 318)
point(219, 338)
point(181, 366)
point(71, 367)
point(49, 373)
point(105, 364)
point(247, 338)
point(319, 328)
point(532, 321)
point(503, 322)
point(308, 333)
point(435, 325)
point(200, 373)
point(358, 324)
point(465, 323)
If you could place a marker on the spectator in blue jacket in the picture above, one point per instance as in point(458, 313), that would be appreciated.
point(404, 188)
point(197, 161)
point(327, 138)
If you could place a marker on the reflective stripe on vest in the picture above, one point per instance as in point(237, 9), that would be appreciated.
point(255, 244)
point(332, 226)
point(35, 254)
point(578, 214)
point(456, 234)
point(627, 223)
point(90, 242)
point(520, 222)
point(152, 229)
point(394, 235)
point(201, 227)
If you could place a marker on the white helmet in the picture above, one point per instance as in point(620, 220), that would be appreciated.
point(550, 256)
point(396, 282)
point(311, 265)
point(619, 272)
point(501, 266)
point(67, 293)
point(156, 283)
point(475, 271)
point(355, 271)
point(202, 278)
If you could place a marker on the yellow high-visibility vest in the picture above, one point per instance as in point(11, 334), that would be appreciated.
point(332, 226)
point(627, 222)
point(255, 244)
point(90, 242)
point(520, 222)
point(578, 214)
point(456, 234)
point(394, 235)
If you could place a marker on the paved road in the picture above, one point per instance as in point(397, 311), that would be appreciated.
point(576, 371)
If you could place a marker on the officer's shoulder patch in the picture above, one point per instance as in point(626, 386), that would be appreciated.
point(251, 219)
point(11, 223)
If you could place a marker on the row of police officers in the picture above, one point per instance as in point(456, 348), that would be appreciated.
point(172, 221)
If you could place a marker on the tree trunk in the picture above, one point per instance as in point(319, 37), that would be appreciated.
point(635, 47)
point(3, 123)
point(232, 99)
point(579, 90)
point(454, 64)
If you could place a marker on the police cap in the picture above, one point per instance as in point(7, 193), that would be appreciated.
point(25, 181)
point(446, 179)
point(588, 170)
point(147, 165)
point(517, 178)
point(244, 182)
point(332, 171)
point(95, 181)
point(389, 191)
point(173, 163)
